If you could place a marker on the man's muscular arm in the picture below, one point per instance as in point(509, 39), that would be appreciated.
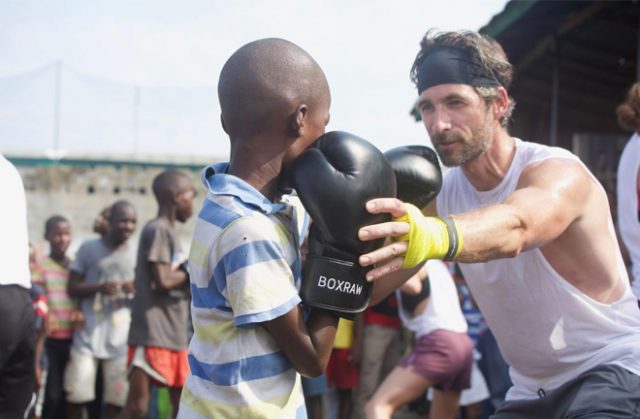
point(550, 195)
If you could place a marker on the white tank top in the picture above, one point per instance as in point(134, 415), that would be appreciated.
point(443, 309)
point(547, 330)
point(627, 195)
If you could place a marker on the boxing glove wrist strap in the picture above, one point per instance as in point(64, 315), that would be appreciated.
point(429, 238)
point(335, 285)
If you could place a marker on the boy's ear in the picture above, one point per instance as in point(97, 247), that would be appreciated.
point(175, 195)
point(222, 123)
point(298, 120)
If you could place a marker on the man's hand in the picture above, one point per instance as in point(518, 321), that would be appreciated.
point(391, 256)
point(417, 238)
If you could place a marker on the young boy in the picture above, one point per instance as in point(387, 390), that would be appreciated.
point(101, 222)
point(41, 309)
point(251, 339)
point(52, 273)
point(159, 316)
point(102, 278)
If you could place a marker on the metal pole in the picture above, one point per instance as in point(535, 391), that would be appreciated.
point(57, 92)
point(136, 120)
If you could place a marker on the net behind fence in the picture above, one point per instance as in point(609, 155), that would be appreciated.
point(58, 109)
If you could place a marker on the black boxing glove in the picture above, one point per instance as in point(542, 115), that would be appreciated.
point(334, 179)
point(419, 180)
point(418, 174)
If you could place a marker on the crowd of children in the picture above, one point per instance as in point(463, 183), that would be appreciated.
point(111, 326)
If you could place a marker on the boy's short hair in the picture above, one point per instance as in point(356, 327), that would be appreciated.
point(262, 79)
point(52, 222)
point(105, 212)
point(167, 183)
point(118, 207)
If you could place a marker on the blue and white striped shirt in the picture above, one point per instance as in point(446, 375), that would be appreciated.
point(244, 270)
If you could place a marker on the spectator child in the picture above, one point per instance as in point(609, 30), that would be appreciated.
point(102, 278)
point(160, 310)
point(52, 273)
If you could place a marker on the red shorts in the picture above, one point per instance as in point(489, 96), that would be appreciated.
point(165, 367)
point(341, 371)
point(444, 358)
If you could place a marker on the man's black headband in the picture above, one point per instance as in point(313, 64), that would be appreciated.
point(446, 64)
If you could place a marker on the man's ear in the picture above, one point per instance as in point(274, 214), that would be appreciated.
point(298, 120)
point(501, 104)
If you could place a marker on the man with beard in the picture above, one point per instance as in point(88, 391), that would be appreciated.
point(532, 230)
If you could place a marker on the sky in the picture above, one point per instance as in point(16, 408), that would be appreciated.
point(139, 77)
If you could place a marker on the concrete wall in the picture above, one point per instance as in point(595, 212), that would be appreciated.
point(80, 193)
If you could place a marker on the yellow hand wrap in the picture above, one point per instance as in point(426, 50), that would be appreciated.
point(428, 238)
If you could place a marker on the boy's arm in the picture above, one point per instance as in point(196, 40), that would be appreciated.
point(306, 345)
point(167, 263)
point(265, 280)
point(39, 350)
point(77, 288)
point(167, 279)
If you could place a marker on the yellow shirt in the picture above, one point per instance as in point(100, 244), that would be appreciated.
point(344, 334)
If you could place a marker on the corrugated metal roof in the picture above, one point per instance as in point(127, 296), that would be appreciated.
point(591, 47)
point(511, 13)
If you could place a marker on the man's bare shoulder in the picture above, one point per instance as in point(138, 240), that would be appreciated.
point(556, 173)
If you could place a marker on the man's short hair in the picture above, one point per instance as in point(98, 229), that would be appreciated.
point(486, 51)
